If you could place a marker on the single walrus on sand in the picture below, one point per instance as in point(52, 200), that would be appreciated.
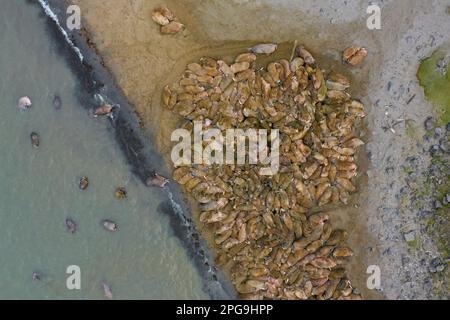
point(24, 103)
point(155, 180)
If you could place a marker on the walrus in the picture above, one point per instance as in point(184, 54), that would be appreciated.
point(24, 103)
point(71, 225)
point(109, 225)
point(120, 193)
point(265, 48)
point(84, 183)
point(107, 290)
point(34, 139)
point(36, 276)
point(155, 180)
point(57, 102)
point(105, 110)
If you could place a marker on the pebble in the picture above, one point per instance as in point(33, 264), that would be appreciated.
point(389, 170)
point(437, 204)
point(436, 265)
point(446, 200)
point(447, 127)
point(443, 144)
point(410, 236)
point(425, 214)
point(437, 132)
point(435, 262)
point(434, 149)
point(440, 268)
point(429, 123)
point(405, 260)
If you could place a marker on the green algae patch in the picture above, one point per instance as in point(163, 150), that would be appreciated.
point(436, 84)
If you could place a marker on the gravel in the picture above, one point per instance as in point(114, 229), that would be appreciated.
point(410, 236)
point(430, 123)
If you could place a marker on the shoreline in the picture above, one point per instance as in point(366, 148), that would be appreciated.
point(135, 142)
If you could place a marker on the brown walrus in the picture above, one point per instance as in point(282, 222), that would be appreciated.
point(84, 183)
point(156, 180)
point(120, 193)
point(105, 110)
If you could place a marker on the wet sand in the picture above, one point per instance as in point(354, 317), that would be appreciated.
point(142, 61)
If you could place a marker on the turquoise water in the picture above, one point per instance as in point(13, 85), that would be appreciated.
point(38, 187)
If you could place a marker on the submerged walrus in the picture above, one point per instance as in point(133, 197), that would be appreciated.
point(57, 102)
point(35, 139)
point(156, 180)
point(71, 225)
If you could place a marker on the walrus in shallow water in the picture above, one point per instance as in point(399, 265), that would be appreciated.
point(84, 183)
point(34, 139)
point(120, 193)
point(36, 276)
point(105, 110)
point(57, 103)
point(71, 225)
point(109, 225)
point(24, 103)
point(107, 290)
point(155, 180)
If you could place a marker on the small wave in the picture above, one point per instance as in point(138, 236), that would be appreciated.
point(49, 12)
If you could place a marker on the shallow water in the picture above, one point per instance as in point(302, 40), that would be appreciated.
point(143, 259)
